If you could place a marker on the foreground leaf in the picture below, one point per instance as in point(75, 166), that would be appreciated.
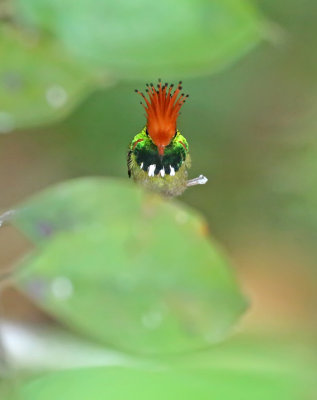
point(147, 39)
point(182, 383)
point(39, 82)
point(248, 367)
point(127, 268)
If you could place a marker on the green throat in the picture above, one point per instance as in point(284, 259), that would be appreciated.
point(146, 156)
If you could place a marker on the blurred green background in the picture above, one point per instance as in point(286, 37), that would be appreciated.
point(68, 109)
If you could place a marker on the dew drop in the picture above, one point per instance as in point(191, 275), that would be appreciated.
point(56, 96)
point(152, 320)
point(62, 288)
point(7, 123)
point(181, 217)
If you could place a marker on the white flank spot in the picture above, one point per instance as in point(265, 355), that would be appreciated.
point(141, 166)
point(152, 169)
point(162, 172)
point(172, 173)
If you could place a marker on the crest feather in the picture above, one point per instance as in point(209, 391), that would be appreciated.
point(162, 110)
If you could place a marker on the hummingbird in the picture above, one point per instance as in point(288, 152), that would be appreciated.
point(158, 156)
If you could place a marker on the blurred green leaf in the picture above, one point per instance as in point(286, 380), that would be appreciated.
point(127, 267)
point(38, 80)
point(246, 367)
point(8, 388)
point(182, 383)
point(143, 39)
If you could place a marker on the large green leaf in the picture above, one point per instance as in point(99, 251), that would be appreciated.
point(39, 82)
point(148, 39)
point(127, 267)
point(247, 367)
point(188, 384)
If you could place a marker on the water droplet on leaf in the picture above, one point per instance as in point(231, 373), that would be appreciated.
point(7, 123)
point(152, 319)
point(56, 96)
point(62, 288)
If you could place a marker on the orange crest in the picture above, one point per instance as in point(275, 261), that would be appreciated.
point(162, 109)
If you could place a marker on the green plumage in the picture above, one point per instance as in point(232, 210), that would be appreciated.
point(166, 174)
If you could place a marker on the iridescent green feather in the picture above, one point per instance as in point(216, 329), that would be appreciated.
point(166, 174)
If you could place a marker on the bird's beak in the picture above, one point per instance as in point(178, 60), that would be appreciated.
point(161, 149)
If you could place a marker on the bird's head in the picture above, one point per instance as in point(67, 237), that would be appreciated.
point(162, 106)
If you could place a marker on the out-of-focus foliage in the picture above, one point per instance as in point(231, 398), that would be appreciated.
point(118, 382)
point(4, 391)
point(255, 177)
point(127, 268)
point(251, 130)
point(39, 81)
point(54, 52)
point(145, 39)
point(294, 182)
point(237, 370)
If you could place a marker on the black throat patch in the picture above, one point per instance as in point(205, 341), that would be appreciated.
point(173, 158)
